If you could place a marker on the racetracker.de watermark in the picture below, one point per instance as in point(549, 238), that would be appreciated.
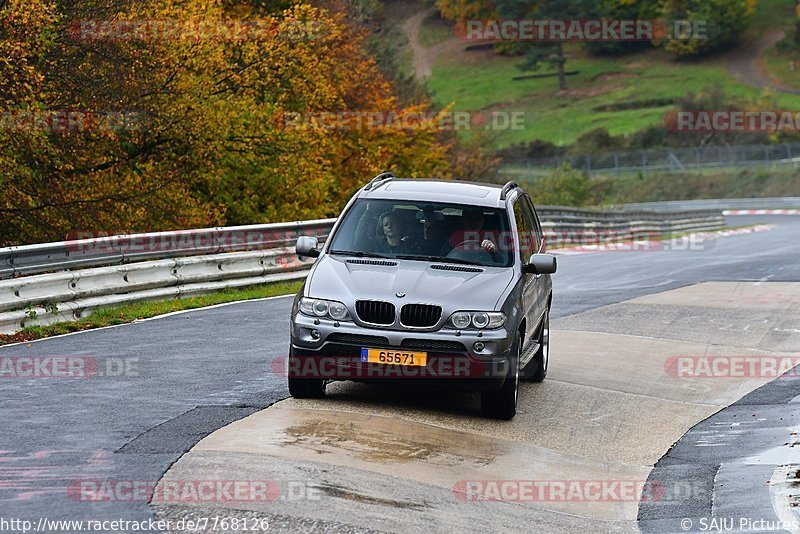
point(91, 241)
point(585, 30)
point(707, 121)
point(494, 121)
point(64, 121)
point(766, 367)
point(574, 490)
point(583, 240)
point(236, 30)
point(357, 367)
point(46, 367)
point(192, 491)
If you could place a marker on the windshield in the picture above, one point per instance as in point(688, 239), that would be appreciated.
point(425, 231)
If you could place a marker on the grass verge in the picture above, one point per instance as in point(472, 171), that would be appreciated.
point(747, 183)
point(142, 310)
point(779, 67)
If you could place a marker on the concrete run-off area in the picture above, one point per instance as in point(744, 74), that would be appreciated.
point(626, 381)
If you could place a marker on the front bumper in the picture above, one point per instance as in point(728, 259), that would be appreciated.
point(452, 359)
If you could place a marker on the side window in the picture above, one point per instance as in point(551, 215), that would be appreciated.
point(536, 228)
point(523, 227)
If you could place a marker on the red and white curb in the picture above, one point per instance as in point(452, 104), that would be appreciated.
point(691, 242)
point(761, 212)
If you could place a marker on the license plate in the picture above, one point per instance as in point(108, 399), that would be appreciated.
point(394, 357)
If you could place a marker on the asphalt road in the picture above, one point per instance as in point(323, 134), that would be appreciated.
point(191, 373)
point(729, 468)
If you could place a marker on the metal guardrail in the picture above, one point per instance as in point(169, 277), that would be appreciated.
point(71, 295)
point(86, 274)
point(122, 249)
point(716, 204)
point(618, 214)
point(686, 159)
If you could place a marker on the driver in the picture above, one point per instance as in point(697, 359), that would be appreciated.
point(474, 221)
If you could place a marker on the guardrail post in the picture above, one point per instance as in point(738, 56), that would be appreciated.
point(644, 163)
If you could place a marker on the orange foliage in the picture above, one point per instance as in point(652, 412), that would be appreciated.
point(210, 145)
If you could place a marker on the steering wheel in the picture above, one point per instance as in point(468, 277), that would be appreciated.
point(476, 253)
point(477, 243)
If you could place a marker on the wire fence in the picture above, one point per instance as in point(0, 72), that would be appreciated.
point(666, 159)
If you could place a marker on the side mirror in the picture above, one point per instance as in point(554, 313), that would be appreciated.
point(541, 264)
point(307, 247)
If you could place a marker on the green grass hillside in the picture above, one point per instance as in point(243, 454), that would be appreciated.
point(622, 94)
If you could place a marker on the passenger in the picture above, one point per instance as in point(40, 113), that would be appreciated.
point(391, 236)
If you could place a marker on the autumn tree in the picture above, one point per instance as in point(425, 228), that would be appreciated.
point(724, 20)
point(549, 53)
point(208, 142)
point(461, 10)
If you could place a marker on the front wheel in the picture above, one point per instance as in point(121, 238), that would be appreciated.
point(502, 404)
point(537, 368)
point(304, 388)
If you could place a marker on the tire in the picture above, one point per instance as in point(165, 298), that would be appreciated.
point(537, 368)
point(502, 404)
point(305, 388)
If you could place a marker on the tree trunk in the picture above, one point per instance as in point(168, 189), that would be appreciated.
point(562, 77)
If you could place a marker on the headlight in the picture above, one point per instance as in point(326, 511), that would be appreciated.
point(478, 320)
point(307, 306)
point(337, 311)
point(331, 309)
point(460, 320)
point(496, 319)
point(321, 308)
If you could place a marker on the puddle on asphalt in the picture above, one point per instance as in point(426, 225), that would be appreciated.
point(335, 491)
point(786, 454)
point(382, 444)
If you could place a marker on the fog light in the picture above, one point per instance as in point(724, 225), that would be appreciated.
point(315, 334)
point(479, 346)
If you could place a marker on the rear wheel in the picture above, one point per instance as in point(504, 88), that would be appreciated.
point(537, 368)
point(502, 404)
point(304, 388)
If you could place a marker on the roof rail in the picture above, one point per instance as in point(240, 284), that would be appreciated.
point(382, 177)
point(510, 186)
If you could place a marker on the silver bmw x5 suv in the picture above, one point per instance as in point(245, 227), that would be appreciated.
point(426, 280)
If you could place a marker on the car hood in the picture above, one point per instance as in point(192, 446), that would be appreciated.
point(337, 278)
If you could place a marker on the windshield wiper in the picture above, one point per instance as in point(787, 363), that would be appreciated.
point(359, 254)
point(439, 259)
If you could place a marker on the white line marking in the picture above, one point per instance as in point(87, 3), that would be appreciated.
point(779, 492)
